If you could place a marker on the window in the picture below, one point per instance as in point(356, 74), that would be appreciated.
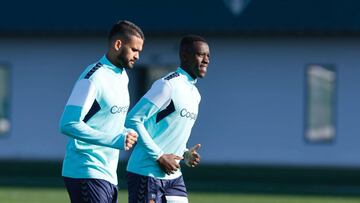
point(4, 100)
point(320, 103)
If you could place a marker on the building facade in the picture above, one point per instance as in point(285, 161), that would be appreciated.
point(260, 100)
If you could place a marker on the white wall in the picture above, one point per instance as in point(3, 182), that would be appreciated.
point(252, 109)
point(253, 106)
point(43, 73)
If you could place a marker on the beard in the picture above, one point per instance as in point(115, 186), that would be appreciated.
point(123, 61)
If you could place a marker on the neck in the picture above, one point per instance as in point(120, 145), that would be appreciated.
point(112, 60)
point(188, 72)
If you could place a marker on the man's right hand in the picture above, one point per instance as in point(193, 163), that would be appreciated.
point(130, 139)
point(168, 163)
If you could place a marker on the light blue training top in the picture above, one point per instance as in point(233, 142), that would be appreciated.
point(163, 119)
point(94, 118)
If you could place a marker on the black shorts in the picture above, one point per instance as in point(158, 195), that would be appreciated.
point(144, 188)
point(84, 190)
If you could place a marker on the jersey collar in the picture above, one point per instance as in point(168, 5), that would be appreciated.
point(188, 77)
point(105, 61)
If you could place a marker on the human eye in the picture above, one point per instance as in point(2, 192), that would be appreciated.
point(201, 54)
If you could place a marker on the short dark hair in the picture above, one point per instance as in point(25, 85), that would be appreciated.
point(188, 40)
point(125, 29)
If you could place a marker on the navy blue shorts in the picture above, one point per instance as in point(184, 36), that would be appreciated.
point(91, 190)
point(145, 188)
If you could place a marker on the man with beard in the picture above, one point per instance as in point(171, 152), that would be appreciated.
point(163, 118)
point(94, 118)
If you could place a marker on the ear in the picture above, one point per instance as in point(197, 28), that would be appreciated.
point(117, 44)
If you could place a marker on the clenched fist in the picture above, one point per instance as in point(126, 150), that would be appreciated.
point(130, 139)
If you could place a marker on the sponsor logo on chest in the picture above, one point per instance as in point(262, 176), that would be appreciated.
point(188, 114)
point(119, 109)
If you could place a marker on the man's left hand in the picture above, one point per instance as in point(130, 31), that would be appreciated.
point(191, 157)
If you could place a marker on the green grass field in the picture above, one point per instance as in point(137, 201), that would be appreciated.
point(41, 182)
point(59, 195)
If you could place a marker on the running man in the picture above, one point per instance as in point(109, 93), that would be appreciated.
point(163, 119)
point(94, 118)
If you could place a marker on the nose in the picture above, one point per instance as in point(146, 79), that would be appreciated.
point(206, 59)
point(136, 56)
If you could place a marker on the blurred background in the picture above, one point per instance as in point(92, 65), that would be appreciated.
point(279, 110)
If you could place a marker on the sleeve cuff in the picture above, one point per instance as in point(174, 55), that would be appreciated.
point(160, 154)
point(121, 141)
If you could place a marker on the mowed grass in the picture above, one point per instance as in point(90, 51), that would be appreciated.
point(59, 195)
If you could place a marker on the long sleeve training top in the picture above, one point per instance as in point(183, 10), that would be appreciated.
point(163, 119)
point(94, 118)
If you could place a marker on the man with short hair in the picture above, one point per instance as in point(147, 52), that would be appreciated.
point(94, 118)
point(163, 119)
